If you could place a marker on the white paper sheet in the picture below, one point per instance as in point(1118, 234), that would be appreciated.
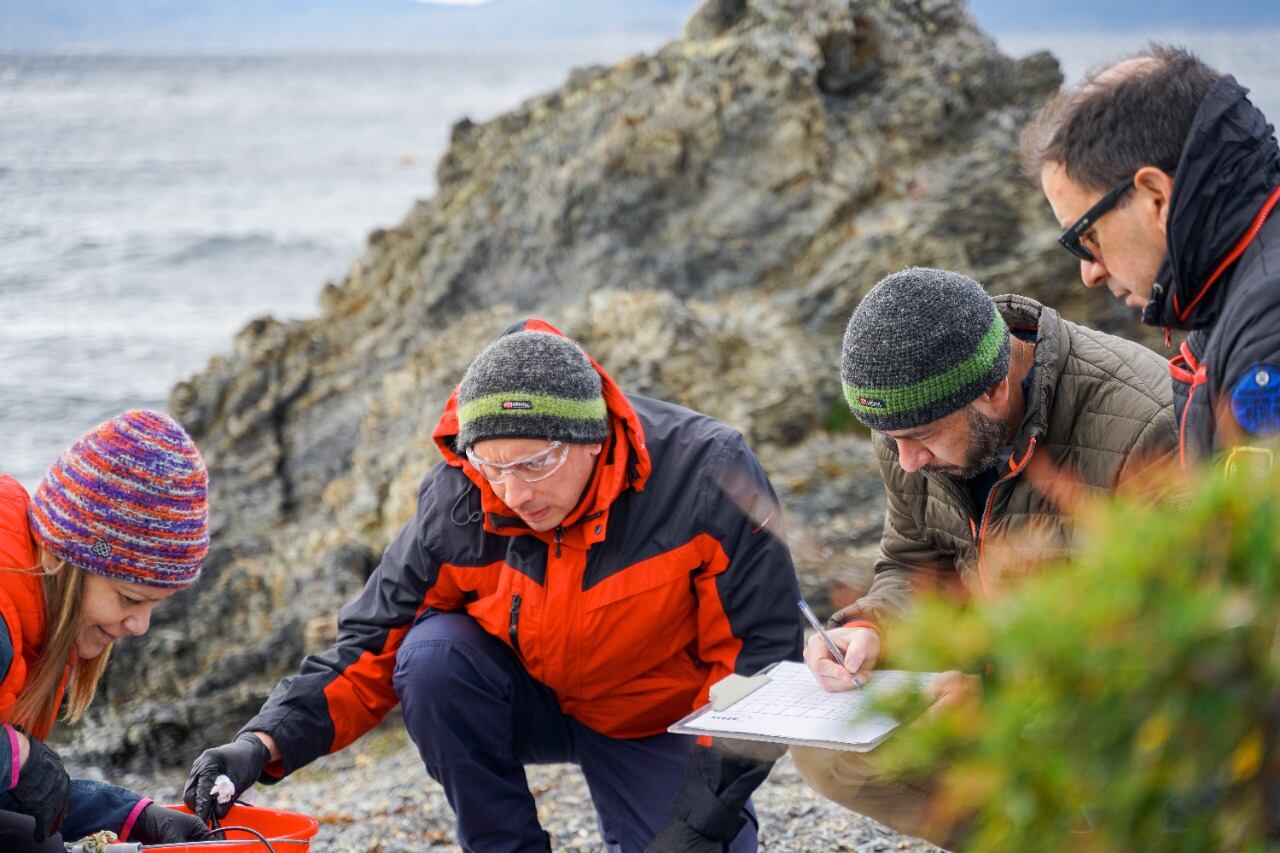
point(792, 708)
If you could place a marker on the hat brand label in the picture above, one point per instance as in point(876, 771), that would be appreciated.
point(871, 402)
point(101, 548)
point(517, 404)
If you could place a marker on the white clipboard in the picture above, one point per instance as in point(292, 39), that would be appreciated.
point(784, 704)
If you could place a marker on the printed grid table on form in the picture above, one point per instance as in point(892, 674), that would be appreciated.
point(790, 693)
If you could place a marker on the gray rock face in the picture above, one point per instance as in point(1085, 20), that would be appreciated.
point(703, 220)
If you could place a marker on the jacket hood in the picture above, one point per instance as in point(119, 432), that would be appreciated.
point(623, 462)
point(1229, 167)
point(17, 545)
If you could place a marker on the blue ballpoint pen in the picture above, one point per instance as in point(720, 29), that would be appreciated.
point(826, 638)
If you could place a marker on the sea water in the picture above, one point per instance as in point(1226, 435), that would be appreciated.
point(151, 206)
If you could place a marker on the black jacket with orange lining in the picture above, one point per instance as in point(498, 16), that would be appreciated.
point(670, 574)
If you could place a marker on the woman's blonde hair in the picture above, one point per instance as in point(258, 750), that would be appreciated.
point(37, 701)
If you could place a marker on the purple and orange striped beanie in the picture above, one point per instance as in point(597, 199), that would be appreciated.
point(128, 501)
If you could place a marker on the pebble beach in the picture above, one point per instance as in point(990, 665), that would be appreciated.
point(375, 797)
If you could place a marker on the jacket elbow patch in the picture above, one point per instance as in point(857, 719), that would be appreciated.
point(1255, 400)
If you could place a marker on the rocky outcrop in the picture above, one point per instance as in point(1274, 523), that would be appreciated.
point(703, 220)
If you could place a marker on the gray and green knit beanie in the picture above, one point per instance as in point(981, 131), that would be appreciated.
point(922, 344)
point(531, 385)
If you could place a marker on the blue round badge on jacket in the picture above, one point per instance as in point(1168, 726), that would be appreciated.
point(1255, 401)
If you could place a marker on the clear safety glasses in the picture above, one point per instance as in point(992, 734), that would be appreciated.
point(531, 469)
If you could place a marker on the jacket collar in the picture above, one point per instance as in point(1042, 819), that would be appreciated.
point(1052, 349)
point(1230, 164)
point(623, 463)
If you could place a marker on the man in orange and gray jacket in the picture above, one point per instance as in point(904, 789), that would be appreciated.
point(582, 567)
point(985, 412)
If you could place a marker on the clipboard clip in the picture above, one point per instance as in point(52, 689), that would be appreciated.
point(733, 688)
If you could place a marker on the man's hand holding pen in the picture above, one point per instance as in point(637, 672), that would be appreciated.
point(860, 648)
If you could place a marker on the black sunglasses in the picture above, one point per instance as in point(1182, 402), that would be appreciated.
point(1070, 238)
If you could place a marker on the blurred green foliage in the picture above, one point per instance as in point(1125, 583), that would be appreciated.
point(1130, 699)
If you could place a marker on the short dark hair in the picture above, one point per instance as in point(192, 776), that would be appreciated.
point(1118, 121)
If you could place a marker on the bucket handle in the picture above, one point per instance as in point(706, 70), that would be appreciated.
point(218, 845)
point(250, 830)
point(214, 844)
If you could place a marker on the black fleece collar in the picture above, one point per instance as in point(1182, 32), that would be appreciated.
point(1230, 164)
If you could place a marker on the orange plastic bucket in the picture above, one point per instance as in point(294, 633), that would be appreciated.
point(287, 832)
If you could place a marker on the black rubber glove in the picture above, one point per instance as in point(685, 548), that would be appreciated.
point(242, 761)
point(43, 789)
point(15, 835)
point(717, 784)
point(158, 825)
point(678, 837)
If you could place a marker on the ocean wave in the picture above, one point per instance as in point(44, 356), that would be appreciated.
point(12, 232)
point(82, 250)
point(203, 248)
point(104, 250)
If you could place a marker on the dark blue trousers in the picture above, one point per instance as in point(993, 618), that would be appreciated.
point(478, 717)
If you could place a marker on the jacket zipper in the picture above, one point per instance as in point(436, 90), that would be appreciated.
point(986, 514)
point(514, 630)
point(559, 538)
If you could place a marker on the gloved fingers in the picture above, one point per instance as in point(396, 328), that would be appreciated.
point(221, 809)
point(191, 828)
point(191, 791)
point(241, 761)
point(174, 827)
point(159, 825)
point(199, 794)
point(191, 797)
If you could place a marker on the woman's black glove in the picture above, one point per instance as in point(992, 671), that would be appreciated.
point(43, 789)
point(15, 835)
point(242, 761)
point(158, 825)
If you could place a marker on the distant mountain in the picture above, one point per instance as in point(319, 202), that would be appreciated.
point(999, 17)
point(344, 25)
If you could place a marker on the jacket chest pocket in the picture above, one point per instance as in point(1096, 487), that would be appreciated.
point(652, 600)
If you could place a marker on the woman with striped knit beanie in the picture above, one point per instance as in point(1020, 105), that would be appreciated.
point(118, 524)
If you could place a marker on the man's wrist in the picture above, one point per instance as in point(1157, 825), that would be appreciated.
point(862, 623)
point(273, 748)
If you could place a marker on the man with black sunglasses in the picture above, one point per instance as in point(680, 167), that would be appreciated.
point(582, 567)
point(1164, 176)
